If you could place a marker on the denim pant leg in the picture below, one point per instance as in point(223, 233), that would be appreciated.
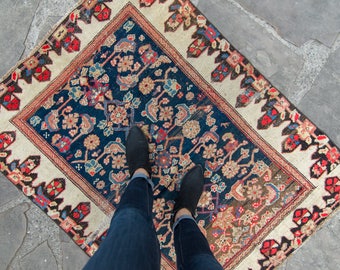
point(192, 248)
point(131, 242)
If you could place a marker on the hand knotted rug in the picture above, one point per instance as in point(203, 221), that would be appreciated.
point(271, 175)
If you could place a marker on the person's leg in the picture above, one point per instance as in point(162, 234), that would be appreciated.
point(131, 242)
point(192, 248)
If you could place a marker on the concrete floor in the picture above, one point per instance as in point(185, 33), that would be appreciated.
point(295, 44)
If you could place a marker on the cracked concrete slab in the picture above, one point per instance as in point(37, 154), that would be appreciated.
point(70, 252)
point(14, 30)
point(315, 56)
point(271, 57)
point(8, 191)
point(322, 101)
point(13, 225)
point(39, 258)
point(300, 21)
point(36, 19)
point(47, 14)
point(40, 228)
point(312, 255)
point(64, 238)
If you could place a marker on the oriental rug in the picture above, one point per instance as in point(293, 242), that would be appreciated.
point(271, 176)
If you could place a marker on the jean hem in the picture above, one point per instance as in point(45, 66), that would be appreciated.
point(142, 175)
point(181, 218)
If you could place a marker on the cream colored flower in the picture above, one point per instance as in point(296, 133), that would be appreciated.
point(146, 85)
point(118, 161)
point(209, 151)
point(254, 192)
point(166, 113)
point(158, 205)
point(100, 184)
point(70, 121)
point(91, 142)
point(230, 169)
point(191, 129)
point(125, 63)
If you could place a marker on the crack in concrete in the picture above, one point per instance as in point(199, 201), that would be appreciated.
point(28, 31)
point(336, 44)
point(23, 240)
point(59, 266)
point(267, 26)
point(57, 254)
point(53, 235)
point(14, 203)
point(23, 251)
point(314, 53)
point(38, 246)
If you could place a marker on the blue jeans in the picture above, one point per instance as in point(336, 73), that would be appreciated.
point(131, 242)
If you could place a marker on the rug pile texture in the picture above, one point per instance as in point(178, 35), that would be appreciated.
point(271, 176)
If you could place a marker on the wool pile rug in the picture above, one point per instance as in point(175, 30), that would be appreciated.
point(271, 175)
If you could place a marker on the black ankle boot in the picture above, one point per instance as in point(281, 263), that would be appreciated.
point(137, 151)
point(190, 191)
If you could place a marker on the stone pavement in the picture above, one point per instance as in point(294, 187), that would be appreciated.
point(294, 43)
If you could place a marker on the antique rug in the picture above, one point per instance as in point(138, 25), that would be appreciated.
point(271, 175)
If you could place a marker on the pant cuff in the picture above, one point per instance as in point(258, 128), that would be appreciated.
point(142, 175)
point(181, 218)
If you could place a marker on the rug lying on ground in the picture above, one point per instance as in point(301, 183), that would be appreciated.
point(271, 175)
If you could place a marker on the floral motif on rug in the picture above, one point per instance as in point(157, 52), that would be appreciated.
point(130, 74)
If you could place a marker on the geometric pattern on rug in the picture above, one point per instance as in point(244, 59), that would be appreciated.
point(84, 119)
point(81, 119)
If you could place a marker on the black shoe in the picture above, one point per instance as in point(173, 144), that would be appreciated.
point(190, 191)
point(137, 151)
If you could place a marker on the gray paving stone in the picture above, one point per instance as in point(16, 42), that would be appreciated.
point(334, 225)
point(73, 256)
point(275, 60)
point(13, 224)
point(300, 21)
point(24, 24)
point(8, 191)
point(320, 251)
point(64, 237)
point(39, 258)
point(16, 18)
point(47, 14)
point(40, 228)
point(315, 56)
point(321, 103)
